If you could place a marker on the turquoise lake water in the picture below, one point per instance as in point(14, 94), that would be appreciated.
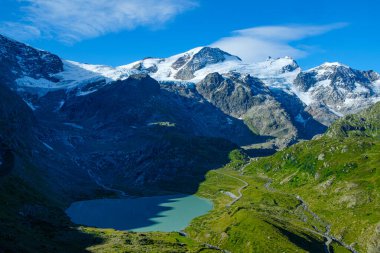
point(145, 214)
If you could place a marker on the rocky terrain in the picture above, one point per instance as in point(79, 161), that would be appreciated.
point(125, 116)
point(75, 131)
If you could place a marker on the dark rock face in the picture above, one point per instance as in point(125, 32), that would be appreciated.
point(181, 61)
point(24, 135)
point(246, 97)
point(173, 162)
point(113, 101)
point(140, 102)
point(321, 113)
point(233, 93)
point(16, 118)
point(135, 132)
point(291, 67)
point(301, 118)
point(201, 59)
point(19, 60)
point(305, 81)
point(140, 66)
point(17, 125)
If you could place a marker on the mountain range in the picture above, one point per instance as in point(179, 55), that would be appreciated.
point(155, 126)
point(297, 99)
point(128, 114)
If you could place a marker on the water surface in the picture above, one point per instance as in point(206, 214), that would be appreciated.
point(144, 214)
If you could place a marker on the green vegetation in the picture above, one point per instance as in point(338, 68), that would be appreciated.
point(117, 241)
point(336, 175)
point(261, 221)
point(29, 222)
point(237, 159)
point(289, 202)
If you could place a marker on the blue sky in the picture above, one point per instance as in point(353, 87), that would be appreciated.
point(116, 32)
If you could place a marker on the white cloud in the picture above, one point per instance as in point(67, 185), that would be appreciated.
point(257, 43)
point(75, 20)
point(19, 31)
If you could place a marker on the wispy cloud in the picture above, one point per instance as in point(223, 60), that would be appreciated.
point(257, 43)
point(19, 31)
point(75, 20)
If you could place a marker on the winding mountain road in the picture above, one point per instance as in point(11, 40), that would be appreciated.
point(245, 185)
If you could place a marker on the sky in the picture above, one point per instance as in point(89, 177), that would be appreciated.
point(117, 32)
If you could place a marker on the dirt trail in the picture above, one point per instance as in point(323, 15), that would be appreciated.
point(329, 238)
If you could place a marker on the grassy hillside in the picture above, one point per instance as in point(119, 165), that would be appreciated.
point(30, 222)
point(260, 221)
point(294, 201)
point(327, 186)
point(121, 242)
point(338, 176)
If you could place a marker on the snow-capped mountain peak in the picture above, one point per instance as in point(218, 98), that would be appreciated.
point(332, 85)
point(338, 87)
point(333, 64)
point(182, 67)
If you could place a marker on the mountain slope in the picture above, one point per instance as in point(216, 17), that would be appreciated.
point(339, 168)
point(301, 100)
point(148, 135)
point(339, 88)
point(316, 196)
point(17, 61)
point(247, 98)
point(303, 103)
point(72, 131)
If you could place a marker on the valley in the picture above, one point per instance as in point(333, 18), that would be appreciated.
point(288, 157)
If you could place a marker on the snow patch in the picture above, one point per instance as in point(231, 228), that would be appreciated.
point(48, 146)
point(30, 104)
point(376, 86)
point(61, 103)
point(360, 89)
point(27, 81)
point(305, 97)
point(76, 75)
point(73, 125)
point(336, 112)
point(333, 64)
point(300, 119)
point(84, 93)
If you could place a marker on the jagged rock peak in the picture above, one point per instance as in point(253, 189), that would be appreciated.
point(18, 60)
point(199, 58)
point(335, 74)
